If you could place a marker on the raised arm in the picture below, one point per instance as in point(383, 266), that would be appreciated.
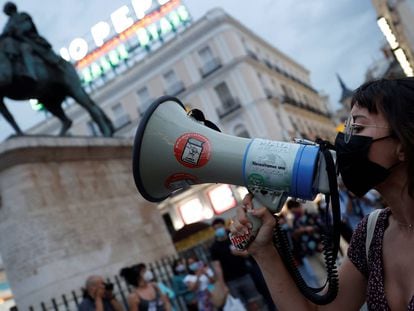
point(285, 294)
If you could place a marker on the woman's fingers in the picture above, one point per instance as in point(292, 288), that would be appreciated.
point(248, 201)
point(264, 214)
point(240, 224)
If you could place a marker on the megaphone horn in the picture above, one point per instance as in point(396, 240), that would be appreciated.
point(173, 150)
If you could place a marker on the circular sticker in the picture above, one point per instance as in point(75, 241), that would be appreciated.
point(255, 180)
point(180, 180)
point(192, 150)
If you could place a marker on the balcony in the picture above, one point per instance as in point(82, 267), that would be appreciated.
point(269, 93)
point(210, 66)
point(289, 100)
point(302, 105)
point(175, 89)
point(252, 55)
point(268, 64)
point(122, 121)
point(229, 106)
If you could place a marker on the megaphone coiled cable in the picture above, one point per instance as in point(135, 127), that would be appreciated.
point(330, 242)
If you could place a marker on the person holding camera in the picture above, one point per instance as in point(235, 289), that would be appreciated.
point(98, 296)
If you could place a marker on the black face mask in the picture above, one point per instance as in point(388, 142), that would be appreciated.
point(359, 174)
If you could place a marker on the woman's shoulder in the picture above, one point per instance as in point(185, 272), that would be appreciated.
point(357, 247)
point(133, 297)
point(360, 232)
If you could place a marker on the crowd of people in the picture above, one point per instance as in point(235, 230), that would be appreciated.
point(375, 151)
point(204, 285)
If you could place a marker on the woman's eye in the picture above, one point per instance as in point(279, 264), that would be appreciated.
point(357, 128)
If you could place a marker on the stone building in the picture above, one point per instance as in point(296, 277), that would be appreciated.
point(395, 19)
point(242, 83)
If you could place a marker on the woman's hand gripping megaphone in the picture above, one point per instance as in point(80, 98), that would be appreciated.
point(253, 226)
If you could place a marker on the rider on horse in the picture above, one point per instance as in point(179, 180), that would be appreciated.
point(26, 42)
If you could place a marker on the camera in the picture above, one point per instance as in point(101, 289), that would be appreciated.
point(109, 286)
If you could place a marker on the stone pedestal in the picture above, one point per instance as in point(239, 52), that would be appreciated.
point(69, 208)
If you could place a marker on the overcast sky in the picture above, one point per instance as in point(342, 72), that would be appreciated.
point(325, 36)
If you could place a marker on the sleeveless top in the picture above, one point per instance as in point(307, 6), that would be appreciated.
point(373, 270)
point(155, 304)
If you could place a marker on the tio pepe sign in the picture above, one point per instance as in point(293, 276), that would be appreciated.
point(121, 19)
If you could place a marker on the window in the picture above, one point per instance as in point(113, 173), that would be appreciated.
point(284, 89)
point(209, 62)
point(174, 85)
point(224, 94)
point(206, 55)
point(170, 78)
point(222, 199)
point(144, 99)
point(241, 131)
point(118, 110)
point(294, 123)
point(121, 118)
point(193, 211)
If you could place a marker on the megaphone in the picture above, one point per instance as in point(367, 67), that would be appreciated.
point(173, 151)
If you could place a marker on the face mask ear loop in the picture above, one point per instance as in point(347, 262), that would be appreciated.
point(395, 165)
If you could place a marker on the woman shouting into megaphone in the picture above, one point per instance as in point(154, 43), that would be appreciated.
point(375, 151)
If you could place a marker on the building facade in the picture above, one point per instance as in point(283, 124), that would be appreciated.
point(395, 19)
point(241, 82)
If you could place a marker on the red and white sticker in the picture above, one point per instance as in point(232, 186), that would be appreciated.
point(192, 150)
point(180, 180)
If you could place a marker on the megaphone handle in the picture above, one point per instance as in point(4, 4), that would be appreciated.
point(242, 242)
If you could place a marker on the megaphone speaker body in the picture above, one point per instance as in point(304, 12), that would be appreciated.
point(173, 151)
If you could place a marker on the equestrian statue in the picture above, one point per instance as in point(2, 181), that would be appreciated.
point(29, 69)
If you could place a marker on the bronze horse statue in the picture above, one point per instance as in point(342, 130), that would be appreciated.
point(54, 83)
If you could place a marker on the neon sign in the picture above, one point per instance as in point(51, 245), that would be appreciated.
point(111, 45)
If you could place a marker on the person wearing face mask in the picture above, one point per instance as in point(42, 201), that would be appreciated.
point(198, 281)
point(146, 295)
point(149, 277)
point(179, 268)
point(230, 263)
point(375, 151)
point(306, 243)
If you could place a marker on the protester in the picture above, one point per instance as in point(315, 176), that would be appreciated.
point(307, 243)
point(376, 150)
point(198, 280)
point(231, 263)
point(98, 296)
point(146, 296)
point(180, 288)
point(149, 277)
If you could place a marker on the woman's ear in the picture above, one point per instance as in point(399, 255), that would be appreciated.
point(400, 152)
